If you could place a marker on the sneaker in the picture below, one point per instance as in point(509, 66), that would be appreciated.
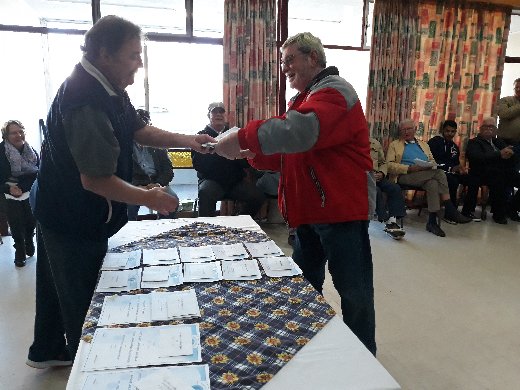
point(394, 230)
point(19, 263)
point(435, 229)
point(514, 216)
point(456, 218)
point(473, 217)
point(60, 361)
point(449, 220)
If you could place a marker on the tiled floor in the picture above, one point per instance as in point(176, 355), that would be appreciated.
point(447, 309)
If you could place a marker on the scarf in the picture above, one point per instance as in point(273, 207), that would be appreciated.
point(21, 163)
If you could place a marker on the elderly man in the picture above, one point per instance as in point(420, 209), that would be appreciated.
point(411, 163)
point(321, 148)
point(491, 163)
point(508, 110)
point(393, 209)
point(220, 178)
point(80, 195)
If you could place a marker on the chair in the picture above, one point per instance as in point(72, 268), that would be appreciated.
point(414, 196)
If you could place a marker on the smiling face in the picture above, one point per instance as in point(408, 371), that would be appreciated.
point(298, 67)
point(120, 68)
point(488, 128)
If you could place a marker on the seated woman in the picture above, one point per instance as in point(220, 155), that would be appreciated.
point(19, 164)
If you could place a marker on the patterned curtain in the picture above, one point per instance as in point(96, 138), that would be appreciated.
point(250, 60)
point(392, 59)
point(460, 61)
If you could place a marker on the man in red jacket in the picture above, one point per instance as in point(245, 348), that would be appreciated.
point(327, 191)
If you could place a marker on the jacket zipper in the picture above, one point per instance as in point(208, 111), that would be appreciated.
point(318, 186)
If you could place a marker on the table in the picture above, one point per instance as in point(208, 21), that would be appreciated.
point(333, 359)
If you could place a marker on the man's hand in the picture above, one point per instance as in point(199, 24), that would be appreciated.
point(417, 168)
point(158, 199)
point(202, 139)
point(15, 191)
point(507, 152)
point(229, 147)
point(461, 170)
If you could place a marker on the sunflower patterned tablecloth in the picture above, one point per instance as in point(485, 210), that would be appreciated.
point(249, 329)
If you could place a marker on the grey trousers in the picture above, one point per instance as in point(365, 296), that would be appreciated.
point(434, 182)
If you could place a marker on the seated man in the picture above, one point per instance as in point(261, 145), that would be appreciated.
point(447, 154)
point(394, 208)
point(151, 168)
point(220, 178)
point(402, 158)
point(491, 163)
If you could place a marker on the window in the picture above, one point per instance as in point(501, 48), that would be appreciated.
point(208, 19)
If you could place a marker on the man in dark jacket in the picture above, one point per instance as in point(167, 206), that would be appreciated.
point(491, 162)
point(220, 178)
point(80, 196)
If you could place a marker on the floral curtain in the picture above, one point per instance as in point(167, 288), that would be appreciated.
point(460, 60)
point(392, 72)
point(250, 60)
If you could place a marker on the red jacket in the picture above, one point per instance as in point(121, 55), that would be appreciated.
point(321, 147)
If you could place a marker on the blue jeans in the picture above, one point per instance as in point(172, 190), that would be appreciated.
point(394, 205)
point(66, 274)
point(346, 246)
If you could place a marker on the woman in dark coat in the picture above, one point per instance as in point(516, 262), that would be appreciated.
point(19, 164)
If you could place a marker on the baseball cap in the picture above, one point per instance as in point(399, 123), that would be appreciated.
point(214, 105)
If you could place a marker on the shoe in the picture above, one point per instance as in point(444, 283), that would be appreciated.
point(456, 218)
point(29, 248)
point(500, 219)
point(19, 263)
point(435, 229)
point(60, 361)
point(394, 230)
point(514, 216)
point(472, 216)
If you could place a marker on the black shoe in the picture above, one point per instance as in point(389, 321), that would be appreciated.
point(514, 216)
point(471, 216)
point(500, 219)
point(63, 360)
point(456, 218)
point(19, 263)
point(435, 229)
point(29, 248)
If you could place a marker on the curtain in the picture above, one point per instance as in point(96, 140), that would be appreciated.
point(459, 64)
point(250, 60)
point(392, 59)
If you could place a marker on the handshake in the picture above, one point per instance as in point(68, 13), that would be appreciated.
point(227, 145)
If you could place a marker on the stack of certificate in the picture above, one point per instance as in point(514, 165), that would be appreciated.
point(124, 260)
point(162, 276)
point(263, 249)
point(241, 270)
point(157, 306)
point(157, 378)
point(279, 266)
point(115, 348)
point(196, 254)
point(230, 252)
point(119, 281)
point(161, 256)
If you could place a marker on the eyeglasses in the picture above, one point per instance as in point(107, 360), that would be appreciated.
point(289, 59)
point(16, 132)
point(407, 129)
point(491, 127)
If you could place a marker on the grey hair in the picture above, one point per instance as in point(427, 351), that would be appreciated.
point(5, 127)
point(306, 43)
point(110, 32)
